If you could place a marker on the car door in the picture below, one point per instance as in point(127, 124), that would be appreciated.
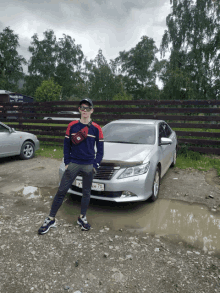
point(9, 145)
point(171, 147)
point(165, 150)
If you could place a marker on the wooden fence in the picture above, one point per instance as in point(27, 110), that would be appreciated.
point(197, 123)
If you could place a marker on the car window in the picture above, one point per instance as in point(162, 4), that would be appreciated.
point(129, 133)
point(3, 129)
point(162, 132)
point(167, 130)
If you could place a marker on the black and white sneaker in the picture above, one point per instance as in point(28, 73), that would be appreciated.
point(83, 223)
point(48, 223)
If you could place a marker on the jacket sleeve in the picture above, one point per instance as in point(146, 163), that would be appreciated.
point(67, 146)
point(100, 148)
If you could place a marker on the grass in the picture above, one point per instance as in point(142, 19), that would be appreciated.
point(53, 152)
point(195, 160)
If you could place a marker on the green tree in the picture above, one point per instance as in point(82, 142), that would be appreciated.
point(48, 91)
point(32, 82)
point(193, 39)
point(60, 60)
point(44, 55)
point(68, 70)
point(2, 74)
point(138, 67)
point(177, 83)
point(102, 83)
point(11, 70)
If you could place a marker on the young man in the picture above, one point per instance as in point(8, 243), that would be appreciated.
point(78, 157)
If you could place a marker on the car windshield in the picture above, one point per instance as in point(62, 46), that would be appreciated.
point(129, 133)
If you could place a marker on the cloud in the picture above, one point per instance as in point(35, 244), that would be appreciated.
point(81, 13)
point(110, 25)
point(1, 26)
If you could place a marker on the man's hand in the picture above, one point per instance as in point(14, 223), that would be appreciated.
point(66, 167)
point(94, 170)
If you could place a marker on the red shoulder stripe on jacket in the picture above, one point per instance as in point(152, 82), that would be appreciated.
point(100, 130)
point(69, 126)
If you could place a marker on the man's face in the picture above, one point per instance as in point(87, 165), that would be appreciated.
point(84, 112)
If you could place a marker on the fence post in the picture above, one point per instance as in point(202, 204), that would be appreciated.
point(20, 117)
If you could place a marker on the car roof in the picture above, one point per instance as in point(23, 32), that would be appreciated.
point(141, 121)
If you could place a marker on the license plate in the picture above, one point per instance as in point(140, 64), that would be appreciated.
point(95, 186)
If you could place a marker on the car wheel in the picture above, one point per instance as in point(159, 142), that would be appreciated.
point(27, 150)
point(174, 159)
point(156, 185)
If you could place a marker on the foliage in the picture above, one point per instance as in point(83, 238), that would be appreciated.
point(138, 62)
point(48, 91)
point(193, 38)
point(102, 83)
point(138, 66)
point(2, 75)
point(68, 70)
point(186, 153)
point(122, 96)
point(55, 59)
point(198, 161)
point(32, 82)
point(10, 61)
point(44, 55)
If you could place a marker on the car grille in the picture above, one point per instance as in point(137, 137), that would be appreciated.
point(104, 172)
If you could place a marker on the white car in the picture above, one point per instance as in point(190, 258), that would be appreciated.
point(14, 143)
point(64, 118)
point(137, 154)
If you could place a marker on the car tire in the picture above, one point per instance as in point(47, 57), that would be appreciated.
point(156, 185)
point(174, 159)
point(27, 150)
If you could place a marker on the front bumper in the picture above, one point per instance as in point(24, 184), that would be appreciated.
point(37, 145)
point(115, 187)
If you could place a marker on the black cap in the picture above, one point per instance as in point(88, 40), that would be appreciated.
point(86, 100)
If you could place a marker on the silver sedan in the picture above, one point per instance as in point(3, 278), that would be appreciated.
point(64, 118)
point(137, 154)
point(14, 143)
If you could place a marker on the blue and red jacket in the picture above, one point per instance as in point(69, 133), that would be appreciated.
point(84, 153)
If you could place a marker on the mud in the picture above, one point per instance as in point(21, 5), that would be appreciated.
point(167, 246)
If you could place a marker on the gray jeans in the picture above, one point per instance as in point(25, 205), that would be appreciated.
point(68, 177)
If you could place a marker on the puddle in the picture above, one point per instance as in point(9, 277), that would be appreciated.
point(177, 220)
point(31, 191)
point(36, 192)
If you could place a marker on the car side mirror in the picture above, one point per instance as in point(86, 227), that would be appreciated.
point(165, 141)
point(11, 130)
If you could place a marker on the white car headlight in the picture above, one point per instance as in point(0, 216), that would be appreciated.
point(135, 171)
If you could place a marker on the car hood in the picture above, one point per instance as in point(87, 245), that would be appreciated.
point(23, 133)
point(122, 152)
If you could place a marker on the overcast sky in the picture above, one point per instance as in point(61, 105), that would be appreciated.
point(109, 25)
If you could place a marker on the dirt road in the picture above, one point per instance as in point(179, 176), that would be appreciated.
point(104, 259)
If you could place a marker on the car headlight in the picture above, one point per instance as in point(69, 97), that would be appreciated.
point(135, 171)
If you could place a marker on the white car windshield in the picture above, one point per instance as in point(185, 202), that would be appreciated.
point(129, 133)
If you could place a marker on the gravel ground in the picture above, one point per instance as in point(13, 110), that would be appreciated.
point(102, 259)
